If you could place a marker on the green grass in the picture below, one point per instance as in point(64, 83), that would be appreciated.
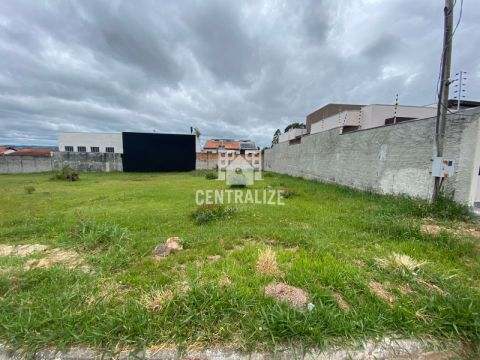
point(327, 239)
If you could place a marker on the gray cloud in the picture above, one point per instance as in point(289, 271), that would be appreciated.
point(235, 69)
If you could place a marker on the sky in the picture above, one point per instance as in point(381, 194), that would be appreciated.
point(235, 69)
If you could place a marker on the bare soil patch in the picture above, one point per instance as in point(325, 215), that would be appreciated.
point(432, 287)
point(21, 250)
point(294, 296)
point(67, 258)
point(378, 289)
point(342, 304)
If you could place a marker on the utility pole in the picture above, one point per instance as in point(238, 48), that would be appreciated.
point(442, 106)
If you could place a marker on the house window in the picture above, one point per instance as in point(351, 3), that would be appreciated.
point(69, 148)
point(81, 148)
point(109, 149)
point(94, 149)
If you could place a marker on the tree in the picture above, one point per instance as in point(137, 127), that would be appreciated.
point(276, 136)
point(295, 125)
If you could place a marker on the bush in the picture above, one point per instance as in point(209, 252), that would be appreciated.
point(206, 213)
point(92, 235)
point(288, 193)
point(444, 208)
point(67, 173)
point(211, 175)
point(29, 189)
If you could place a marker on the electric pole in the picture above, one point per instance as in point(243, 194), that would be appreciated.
point(442, 106)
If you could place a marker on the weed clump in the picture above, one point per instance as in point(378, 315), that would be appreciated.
point(445, 208)
point(29, 189)
point(92, 235)
point(211, 175)
point(204, 214)
point(267, 263)
point(67, 173)
point(288, 193)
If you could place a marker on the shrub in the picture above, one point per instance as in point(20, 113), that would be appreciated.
point(29, 189)
point(211, 175)
point(288, 193)
point(67, 173)
point(206, 213)
point(91, 235)
point(443, 208)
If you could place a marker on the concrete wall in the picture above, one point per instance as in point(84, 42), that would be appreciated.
point(88, 162)
point(390, 159)
point(206, 161)
point(84, 162)
point(17, 164)
point(101, 140)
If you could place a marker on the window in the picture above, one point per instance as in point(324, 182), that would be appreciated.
point(109, 149)
point(69, 148)
point(81, 148)
point(94, 149)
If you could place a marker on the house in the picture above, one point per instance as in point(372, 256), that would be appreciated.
point(33, 152)
point(5, 150)
point(229, 146)
point(350, 117)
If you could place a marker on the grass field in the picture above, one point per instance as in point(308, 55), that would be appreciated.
point(363, 260)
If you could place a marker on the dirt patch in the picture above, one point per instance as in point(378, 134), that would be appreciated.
point(378, 289)
point(432, 287)
point(405, 289)
point(109, 291)
point(213, 258)
point(224, 281)
point(359, 263)
point(267, 263)
point(430, 229)
point(21, 250)
point(342, 304)
point(296, 297)
point(67, 258)
point(156, 300)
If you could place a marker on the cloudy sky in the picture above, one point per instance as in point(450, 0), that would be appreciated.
point(231, 68)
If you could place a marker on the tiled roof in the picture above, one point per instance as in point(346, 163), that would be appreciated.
point(212, 144)
point(33, 152)
point(231, 145)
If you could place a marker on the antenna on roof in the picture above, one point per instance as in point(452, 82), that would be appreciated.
point(395, 109)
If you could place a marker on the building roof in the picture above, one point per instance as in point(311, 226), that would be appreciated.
point(229, 144)
point(4, 149)
point(33, 152)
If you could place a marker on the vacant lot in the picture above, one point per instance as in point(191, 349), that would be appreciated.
point(352, 265)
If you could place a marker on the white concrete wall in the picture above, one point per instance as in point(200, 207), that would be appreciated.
point(291, 134)
point(101, 140)
point(375, 115)
point(345, 118)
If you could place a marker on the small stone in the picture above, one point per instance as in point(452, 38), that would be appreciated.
point(171, 245)
point(161, 251)
point(174, 243)
point(310, 307)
